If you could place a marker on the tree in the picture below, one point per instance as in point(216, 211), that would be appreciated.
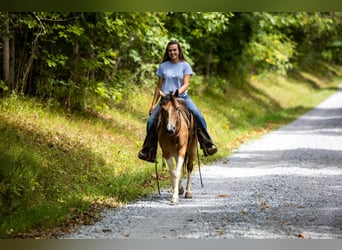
point(8, 52)
point(86, 59)
point(203, 32)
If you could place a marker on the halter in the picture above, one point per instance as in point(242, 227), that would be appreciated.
point(180, 111)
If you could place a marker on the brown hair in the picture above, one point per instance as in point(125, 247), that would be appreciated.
point(166, 56)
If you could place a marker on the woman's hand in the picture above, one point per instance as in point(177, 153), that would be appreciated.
point(151, 109)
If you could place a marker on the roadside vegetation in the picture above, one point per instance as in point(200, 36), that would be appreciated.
point(74, 99)
point(61, 168)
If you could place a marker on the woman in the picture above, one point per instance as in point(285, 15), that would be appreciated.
point(174, 73)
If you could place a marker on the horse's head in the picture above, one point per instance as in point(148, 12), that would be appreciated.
point(169, 111)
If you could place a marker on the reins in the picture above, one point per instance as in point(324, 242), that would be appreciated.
point(157, 176)
point(198, 160)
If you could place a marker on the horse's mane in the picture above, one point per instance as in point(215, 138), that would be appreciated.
point(181, 101)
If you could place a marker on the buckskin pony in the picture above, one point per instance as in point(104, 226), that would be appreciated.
point(178, 140)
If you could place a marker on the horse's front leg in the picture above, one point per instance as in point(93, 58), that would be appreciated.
point(176, 174)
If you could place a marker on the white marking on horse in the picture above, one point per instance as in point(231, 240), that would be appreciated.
point(176, 176)
point(170, 125)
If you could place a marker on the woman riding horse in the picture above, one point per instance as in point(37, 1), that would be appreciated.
point(174, 74)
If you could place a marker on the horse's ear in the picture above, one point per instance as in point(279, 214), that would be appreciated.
point(176, 93)
point(162, 93)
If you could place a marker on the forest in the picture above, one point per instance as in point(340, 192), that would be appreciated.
point(75, 89)
point(84, 60)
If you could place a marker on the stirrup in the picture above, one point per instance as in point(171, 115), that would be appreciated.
point(147, 156)
point(212, 149)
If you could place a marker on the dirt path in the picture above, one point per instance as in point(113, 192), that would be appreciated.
point(287, 184)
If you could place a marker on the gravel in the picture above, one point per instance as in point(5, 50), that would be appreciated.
point(287, 184)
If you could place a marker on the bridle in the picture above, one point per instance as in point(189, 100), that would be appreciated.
point(180, 111)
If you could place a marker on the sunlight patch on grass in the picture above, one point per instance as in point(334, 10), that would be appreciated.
point(53, 160)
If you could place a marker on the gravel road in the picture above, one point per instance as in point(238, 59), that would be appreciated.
point(288, 184)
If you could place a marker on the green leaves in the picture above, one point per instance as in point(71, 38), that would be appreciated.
point(271, 51)
point(120, 48)
point(3, 86)
point(54, 61)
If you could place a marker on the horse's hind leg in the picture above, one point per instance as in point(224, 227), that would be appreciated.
point(188, 193)
point(180, 187)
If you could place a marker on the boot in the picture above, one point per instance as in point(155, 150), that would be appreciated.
point(205, 141)
point(149, 150)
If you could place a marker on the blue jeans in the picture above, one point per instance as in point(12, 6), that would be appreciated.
point(190, 105)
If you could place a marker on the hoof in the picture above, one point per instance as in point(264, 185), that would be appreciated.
point(188, 195)
point(181, 191)
point(174, 200)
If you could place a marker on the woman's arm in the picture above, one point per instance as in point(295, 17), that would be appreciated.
point(156, 94)
point(186, 81)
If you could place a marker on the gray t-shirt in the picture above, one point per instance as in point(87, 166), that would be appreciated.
point(173, 74)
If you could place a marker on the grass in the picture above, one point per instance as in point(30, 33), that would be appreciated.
point(56, 167)
point(265, 103)
point(54, 161)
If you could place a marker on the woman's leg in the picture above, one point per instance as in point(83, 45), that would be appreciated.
point(152, 119)
point(198, 115)
point(149, 150)
point(204, 138)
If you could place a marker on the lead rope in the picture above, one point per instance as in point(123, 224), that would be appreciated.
point(157, 176)
point(198, 158)
point(199, 166)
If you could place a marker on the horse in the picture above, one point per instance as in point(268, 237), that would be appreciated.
point(178, 140)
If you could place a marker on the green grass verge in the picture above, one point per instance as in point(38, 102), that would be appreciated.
point(55, 165)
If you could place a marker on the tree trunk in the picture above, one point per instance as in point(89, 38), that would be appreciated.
point(33, 52)
point(6, 55)
point(28, 68)
point(12, 62)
